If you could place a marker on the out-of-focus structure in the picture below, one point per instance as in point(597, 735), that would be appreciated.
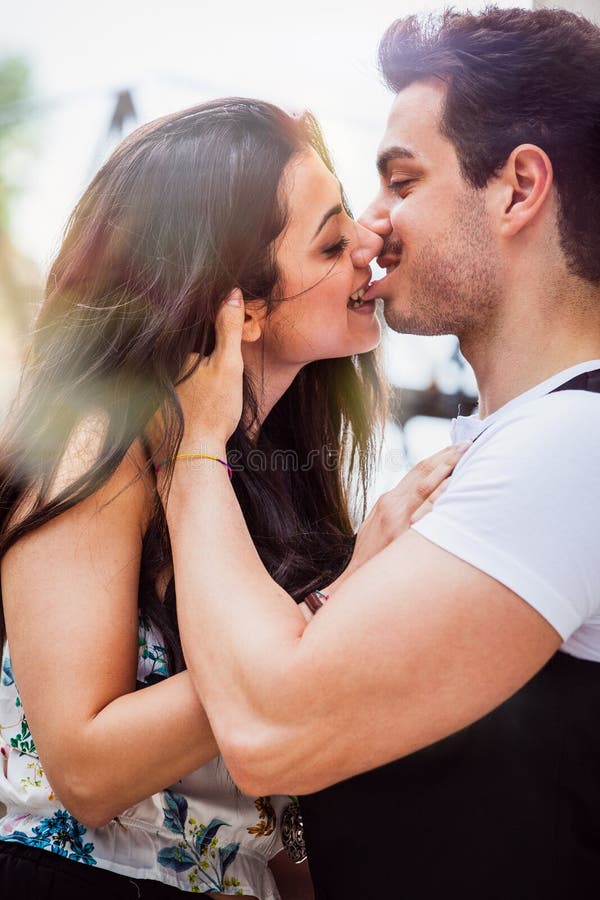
point(588, 8)
point(20, 288)
point(20, 279)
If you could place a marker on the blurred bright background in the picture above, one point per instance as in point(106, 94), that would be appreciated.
point(75, 78)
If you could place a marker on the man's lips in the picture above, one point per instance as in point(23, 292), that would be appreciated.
point(390, 263)
point(387, 260)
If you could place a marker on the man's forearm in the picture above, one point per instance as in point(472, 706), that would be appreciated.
point(415, 644)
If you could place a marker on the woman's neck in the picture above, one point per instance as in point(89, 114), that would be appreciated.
point(269, 380)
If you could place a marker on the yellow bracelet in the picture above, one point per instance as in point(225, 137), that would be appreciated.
point(223, 462)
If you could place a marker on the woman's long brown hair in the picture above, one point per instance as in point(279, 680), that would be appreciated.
point(187, 208)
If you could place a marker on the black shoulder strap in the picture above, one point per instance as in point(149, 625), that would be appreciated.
point(587, 381)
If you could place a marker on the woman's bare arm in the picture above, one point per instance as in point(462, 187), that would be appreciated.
point(70, 592)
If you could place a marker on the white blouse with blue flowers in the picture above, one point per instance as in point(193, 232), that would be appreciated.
point(199, 835)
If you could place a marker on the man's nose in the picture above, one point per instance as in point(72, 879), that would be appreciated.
point(376, 218)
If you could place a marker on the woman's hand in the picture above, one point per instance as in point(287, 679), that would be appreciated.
point(398, 509)
point(212, 396)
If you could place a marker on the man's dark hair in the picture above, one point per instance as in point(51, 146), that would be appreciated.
point(515, 76)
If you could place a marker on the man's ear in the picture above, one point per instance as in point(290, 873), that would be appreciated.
point(255, 314)
point(526, 179)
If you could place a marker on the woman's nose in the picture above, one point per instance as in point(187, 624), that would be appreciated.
point(368, 246)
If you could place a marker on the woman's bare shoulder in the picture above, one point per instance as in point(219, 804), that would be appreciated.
point(132, 481)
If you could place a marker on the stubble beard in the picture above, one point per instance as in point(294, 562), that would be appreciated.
point(454, 281)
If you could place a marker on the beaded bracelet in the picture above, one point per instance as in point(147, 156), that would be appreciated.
point(314, 600)
point(223, 462)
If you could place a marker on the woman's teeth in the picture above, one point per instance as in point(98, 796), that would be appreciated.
point(356, 299)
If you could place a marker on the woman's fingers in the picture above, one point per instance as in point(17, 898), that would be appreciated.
point(212, 396)
point(424, 508)
point(405, 504)
point(419, 484)
point(449, 456)
point(439, 467)
point(427, 504)
point(418, 490)
point(436, 478)
point(439, 490)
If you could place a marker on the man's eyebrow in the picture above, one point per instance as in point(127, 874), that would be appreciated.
point(334, 211)
point(390, 154)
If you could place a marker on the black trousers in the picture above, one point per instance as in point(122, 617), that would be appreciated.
point(27, 873)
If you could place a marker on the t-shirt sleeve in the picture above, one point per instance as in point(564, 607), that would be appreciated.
point(523, 506)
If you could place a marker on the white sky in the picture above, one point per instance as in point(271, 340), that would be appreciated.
point(301, 54)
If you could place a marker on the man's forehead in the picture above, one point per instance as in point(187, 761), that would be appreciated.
point(413, 122)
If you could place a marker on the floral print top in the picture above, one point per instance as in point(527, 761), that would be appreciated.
point(199, 835)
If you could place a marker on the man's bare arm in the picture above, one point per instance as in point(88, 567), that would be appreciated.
point(413, 646)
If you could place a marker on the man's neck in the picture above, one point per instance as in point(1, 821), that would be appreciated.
point(515, 357)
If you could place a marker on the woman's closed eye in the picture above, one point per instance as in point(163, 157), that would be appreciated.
point(336, 249)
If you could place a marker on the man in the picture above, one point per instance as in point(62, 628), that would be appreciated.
point(468, 649)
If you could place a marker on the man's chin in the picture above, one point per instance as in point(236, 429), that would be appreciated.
point(400, 320)
point(406, 322)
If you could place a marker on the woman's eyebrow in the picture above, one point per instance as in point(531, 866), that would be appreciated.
point(334, 211)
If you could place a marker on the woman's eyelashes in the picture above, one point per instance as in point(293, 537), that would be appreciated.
point(336, 249)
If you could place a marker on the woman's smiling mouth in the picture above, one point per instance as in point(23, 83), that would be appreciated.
point(358, 300)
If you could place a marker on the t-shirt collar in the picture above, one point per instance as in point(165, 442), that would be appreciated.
point(467, 428)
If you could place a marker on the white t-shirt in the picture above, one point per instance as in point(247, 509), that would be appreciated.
point(523, 505)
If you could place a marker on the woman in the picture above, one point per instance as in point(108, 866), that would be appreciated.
point(232, 194)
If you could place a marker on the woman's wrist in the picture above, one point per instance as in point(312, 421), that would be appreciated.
point(195, 455)
point(210, 445)
point(192, 466)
